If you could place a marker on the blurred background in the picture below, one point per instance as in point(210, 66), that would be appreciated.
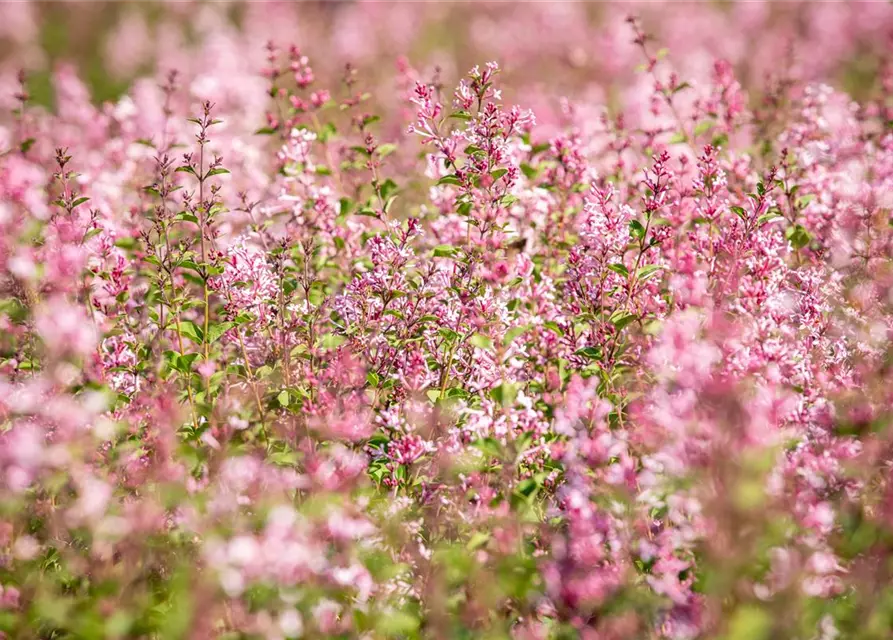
point(582, 50)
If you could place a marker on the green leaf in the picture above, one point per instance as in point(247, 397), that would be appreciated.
point(749, 622)
point(178, 611)
point(118, 624)
point(188, 217)
point(331, 341)
point(92, 233)
point(284, 458)
point(738, 211)
point(327, 132)
point(386, 149)
point(621, 318)
point(397, 624)
point(217, 330)
point(648, 270)
point(216, 172)
point(768, 217)
point(477, 540)
point(616, 267)
point(554, 327)
point(481, 341)
point(592, 353)
point(678, 138)
point(192, 265)
point(191, 330)
point(444, 251)
point(187, 169)
point(263, 372)
point(803, 201)
point(704, 127)
point(456, 392)
point(505, 393)
point(361, 151)
point(450, 179)
point(636, 229)
point(490, 447)
point(527, 487)
point(513, 333)
point(539, 148)
point(798, 236)
point(344, 206)
point(387, 188)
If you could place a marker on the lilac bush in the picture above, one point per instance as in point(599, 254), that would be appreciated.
point(309, 332)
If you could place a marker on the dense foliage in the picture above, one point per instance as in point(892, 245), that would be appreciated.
point(353, 350)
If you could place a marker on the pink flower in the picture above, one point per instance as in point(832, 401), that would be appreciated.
point(65, 329)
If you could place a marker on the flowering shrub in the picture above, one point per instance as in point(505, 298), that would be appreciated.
point(283, 356)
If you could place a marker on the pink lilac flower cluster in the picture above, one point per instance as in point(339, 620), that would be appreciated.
point(283, 356)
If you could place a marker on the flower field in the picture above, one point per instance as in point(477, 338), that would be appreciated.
point(446, 320)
